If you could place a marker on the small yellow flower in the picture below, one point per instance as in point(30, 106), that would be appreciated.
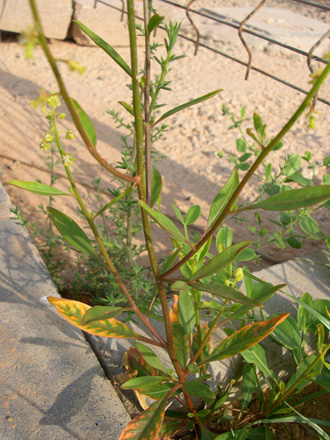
point(48, 137)
point(238, 274)
point(69, 134)
point(61, 115)
point(228, 283)
point(44, 146)
point(41, 100)
point(74, 65)
point(68, 159)
point(29, 39)
point(54, 101)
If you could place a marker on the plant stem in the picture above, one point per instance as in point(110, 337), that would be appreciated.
point(52, 62)
point(147, 129)
point(142, 189)
point(103, 250)
point(287, 127)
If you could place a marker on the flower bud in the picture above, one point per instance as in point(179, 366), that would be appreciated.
point(44, 146)
point(48, 137)
point(238, 274)
point(69, 134)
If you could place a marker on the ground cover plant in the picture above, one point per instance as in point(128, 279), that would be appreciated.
point(205, 286)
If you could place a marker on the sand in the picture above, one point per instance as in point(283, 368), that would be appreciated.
point(192, 171)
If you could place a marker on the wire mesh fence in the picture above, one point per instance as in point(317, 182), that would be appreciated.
point(243, 27)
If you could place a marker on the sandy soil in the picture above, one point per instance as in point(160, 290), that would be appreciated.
point(191, 169)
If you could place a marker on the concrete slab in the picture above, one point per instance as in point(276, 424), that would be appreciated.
point(51, 384)
point(284, 26)
point(15, 16)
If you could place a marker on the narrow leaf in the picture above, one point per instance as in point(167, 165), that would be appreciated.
point(303, 315)
point(187, 104)
point(141, 383)
point(287, 333)
point(220, 262)
point(228, 293)
point(71, 232)
point(244, 338)
point(294, 199)
point(199, 389)
point(156, 185)
point(98, 313)
point(256, 355)
point(221, 199)
point(163, 221)
point(74, 311)
point(154, 22)
point(149, 356)
point(38, 188)
point(127, 107)
point(180, 335)
point(249, 385)
point(106, 47)
point(147, 425)
point(186, 311)
point(85, 122)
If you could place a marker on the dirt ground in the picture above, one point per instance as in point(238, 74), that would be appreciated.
point(192, 171)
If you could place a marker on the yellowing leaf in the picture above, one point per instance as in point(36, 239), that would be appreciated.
point(180, 335)
point(74, 311)
point(244, 338)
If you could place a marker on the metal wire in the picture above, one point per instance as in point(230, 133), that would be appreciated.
point(248, 29)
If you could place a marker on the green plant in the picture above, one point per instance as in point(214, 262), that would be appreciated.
point(208, 296)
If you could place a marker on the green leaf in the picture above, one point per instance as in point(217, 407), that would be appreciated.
point(98, 313)
point(147, 425)
point(237, 434)
point(301, 368)
point(149, 356)
point(142, 383)
point(106, 47)
point(320, 314)
point(206, 433)
point(193, 214)
point(299, 178)
point(156, 185)
point(324, 380)
point(228, 293)
point(164, 222)
point(199, 389)
point(241, 146)
point(294, 243)
point(85, 122)
point(224, 237)
point(181, 339)
point(294, 199)
point(178, 213)
point(186, 310)
point(71, 232)
point(220, 262)
point(268, 171)
point(292, 165)
point(303, 315)
point(249, 385)
point(311, 228)
point(319, 317)
point(154, 22)
point(258, 125)
point(170, 261)
point(179, 285)
point(221, 199)
point(243, 339)
point(246, 255)
point(287, 333)
point(127, 107)
point(261, 433)
point(256, 355)
point(38, 188)
point(74, 311)
point(187, 104)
